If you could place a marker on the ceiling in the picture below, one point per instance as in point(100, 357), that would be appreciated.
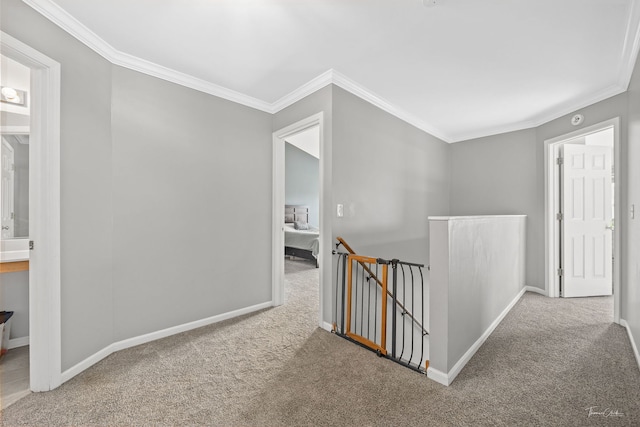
point(460, 69)
point(308, 141)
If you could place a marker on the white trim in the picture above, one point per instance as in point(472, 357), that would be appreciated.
point(631, 45)
point(327, 326)
point(153, 336)
point(15, 130)
point(551, 147)
point(44, 222)
point(306, 89)
point(278, 200)
point(634, 346)
point(535, 290)
point(438, 376)
point(376, 100)
point(453, 373)
point(447, 379)
point(71, 25)
point(18, 342)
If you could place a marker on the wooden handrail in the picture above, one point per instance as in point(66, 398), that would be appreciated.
point(372, 275)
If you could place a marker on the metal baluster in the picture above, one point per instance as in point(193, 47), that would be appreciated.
point(412, 311)
point(422, 317)
point(404, 292)
point(362, 303)
point(369, 308)
point(394, 264)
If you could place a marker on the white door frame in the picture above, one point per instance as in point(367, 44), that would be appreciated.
point(552, 182)
point(278, 207)
point(44, 222)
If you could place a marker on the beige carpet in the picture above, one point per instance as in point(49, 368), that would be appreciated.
point(548, 361)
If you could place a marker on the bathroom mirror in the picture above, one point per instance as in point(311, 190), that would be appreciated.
point(14, 191)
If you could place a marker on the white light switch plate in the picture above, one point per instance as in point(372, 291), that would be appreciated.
point(340, 210)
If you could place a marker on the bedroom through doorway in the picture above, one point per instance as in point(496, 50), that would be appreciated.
point(302, 213)
point(299, 175)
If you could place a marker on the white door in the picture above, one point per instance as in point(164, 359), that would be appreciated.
point(587, 227)
point(6, 191)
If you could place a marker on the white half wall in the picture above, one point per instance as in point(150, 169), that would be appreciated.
point(477, 275)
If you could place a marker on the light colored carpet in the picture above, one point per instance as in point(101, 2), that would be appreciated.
point(547, 362)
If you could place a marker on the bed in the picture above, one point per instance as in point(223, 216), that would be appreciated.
point(301, 243)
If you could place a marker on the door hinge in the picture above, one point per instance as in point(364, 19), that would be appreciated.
point(30, 245)
point(560, 272)
point(560, 161)
point(559, 216)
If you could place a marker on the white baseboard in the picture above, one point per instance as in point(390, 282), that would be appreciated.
point(633, 342)
point(447, 379)
point(142, 339)
point(18, 342)
point(536, 290)
point(327, 326)
point(438, 376)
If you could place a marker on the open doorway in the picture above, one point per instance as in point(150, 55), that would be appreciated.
point(42, 245)
point(582, 204)
point(15, 90)
point(297, 203)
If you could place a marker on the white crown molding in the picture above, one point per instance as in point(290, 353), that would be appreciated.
point(152, 69)
point(334, 77)
point(631, 45)
point(71, 25)
point(306, 89)
point(551, 114)
point(369, 96)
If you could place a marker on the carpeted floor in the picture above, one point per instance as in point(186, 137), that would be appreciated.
point(545, 364)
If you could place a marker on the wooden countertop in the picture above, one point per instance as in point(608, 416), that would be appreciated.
point(11, 267)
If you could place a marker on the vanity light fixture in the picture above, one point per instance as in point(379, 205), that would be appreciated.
point(13, 96)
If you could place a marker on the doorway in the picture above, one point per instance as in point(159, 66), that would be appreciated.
point(582, 212)
point(15, 82)
point(295, 132)
point(43, 243)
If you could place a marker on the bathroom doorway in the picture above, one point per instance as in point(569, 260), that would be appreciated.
point(41, 247)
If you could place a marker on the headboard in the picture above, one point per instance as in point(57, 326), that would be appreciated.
point(293, 213)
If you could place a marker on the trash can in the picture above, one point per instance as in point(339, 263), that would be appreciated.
point(5, 330)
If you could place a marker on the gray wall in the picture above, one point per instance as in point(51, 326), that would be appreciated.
point(158, 219)
point(192, 205)
point(390, 176)
point(86, 181)
point(504, 174)
point(631, 274)
point(302, 181)
point(318, 102)
point(498, 175)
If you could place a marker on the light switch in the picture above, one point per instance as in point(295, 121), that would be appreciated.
point(340, 210)
point(633, 211)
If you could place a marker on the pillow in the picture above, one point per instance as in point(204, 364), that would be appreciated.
point(299, 225)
